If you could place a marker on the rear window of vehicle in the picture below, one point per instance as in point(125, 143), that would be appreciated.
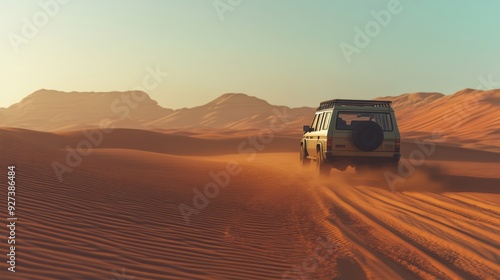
point(348, 120)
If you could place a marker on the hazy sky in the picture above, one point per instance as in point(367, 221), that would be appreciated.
point(287, 52)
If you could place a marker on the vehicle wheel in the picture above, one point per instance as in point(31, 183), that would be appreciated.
point(322, 167)
point(367, 136)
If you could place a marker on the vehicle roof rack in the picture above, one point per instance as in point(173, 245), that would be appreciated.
point(350, 102)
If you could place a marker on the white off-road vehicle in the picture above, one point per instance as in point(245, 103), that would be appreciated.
point(353, 133)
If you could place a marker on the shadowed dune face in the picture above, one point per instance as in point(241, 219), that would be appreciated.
point(119, 212)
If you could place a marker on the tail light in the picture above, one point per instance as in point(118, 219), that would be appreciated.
point(329, 143)
point(398, 145)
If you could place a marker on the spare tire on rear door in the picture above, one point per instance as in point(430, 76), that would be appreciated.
point(367, 136)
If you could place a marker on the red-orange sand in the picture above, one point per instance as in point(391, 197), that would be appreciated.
point(117, 216)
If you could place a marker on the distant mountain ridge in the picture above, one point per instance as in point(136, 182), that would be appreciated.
point(51, 110)
point(231, 111)
point(469, 114)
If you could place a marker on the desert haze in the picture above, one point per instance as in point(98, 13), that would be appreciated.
point(114, 186)
point(467, 118)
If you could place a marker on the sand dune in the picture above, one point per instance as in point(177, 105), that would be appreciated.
point(121, 210)
point(412, 100)
point(156, 142)
point(116, 215)
point(469, 118)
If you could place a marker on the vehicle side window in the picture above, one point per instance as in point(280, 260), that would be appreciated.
point(326, 121)
point(317, 127)
point(315, 120)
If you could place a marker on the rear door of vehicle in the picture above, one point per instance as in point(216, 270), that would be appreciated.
point(343, 131)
